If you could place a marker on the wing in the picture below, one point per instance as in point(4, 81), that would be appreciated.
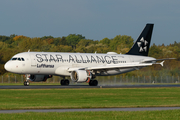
point(135, 65)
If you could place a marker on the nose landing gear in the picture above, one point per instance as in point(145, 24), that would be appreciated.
point(26, 83)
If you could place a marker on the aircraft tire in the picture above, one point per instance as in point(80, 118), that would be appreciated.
point(66, 82)
point(93, 83)
point(90, 83)
point(62, 82)
point(26, 83)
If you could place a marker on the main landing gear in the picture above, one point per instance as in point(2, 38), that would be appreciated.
point(93, 83)
point(64, 82)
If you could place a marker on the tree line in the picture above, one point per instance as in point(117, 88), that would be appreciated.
point(13, 44)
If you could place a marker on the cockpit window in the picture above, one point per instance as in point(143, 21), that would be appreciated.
point(19, 59)
point(14, 59)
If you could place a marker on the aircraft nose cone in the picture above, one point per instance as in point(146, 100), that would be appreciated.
point(7, 66)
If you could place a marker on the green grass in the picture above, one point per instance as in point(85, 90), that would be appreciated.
point(112, 115)
point(88, 98)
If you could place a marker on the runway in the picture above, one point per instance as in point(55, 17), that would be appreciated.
point(81, 86)
point(91, 109)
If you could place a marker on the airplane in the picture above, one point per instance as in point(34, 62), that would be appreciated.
point(83, 67)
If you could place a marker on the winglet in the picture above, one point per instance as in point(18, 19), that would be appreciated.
point(161, 63)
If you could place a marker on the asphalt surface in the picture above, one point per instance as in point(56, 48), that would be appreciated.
point(91, 109)
point(80, 86)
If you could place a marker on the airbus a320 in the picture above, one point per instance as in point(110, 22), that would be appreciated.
point(83, 67)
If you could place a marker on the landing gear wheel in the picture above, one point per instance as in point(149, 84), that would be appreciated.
point(93, 83)
point(90, 83)
point(64, 82)
point(26, 83)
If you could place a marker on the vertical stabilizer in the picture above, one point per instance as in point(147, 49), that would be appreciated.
point(141, 46)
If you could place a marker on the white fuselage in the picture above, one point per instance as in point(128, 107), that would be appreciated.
point(57, 63)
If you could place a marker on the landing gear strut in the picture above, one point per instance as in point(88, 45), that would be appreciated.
point(26, 83)
point(93, 83)
point(64, 82)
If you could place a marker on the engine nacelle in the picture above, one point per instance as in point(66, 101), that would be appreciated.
point(81, 76)
point(38, 78)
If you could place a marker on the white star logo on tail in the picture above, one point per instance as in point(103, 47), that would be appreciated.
point(142, 45)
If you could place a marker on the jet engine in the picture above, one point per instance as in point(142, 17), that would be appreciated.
point(81, 76)
point(38, 78)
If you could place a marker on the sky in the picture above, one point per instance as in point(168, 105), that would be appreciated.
point(94, 19)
